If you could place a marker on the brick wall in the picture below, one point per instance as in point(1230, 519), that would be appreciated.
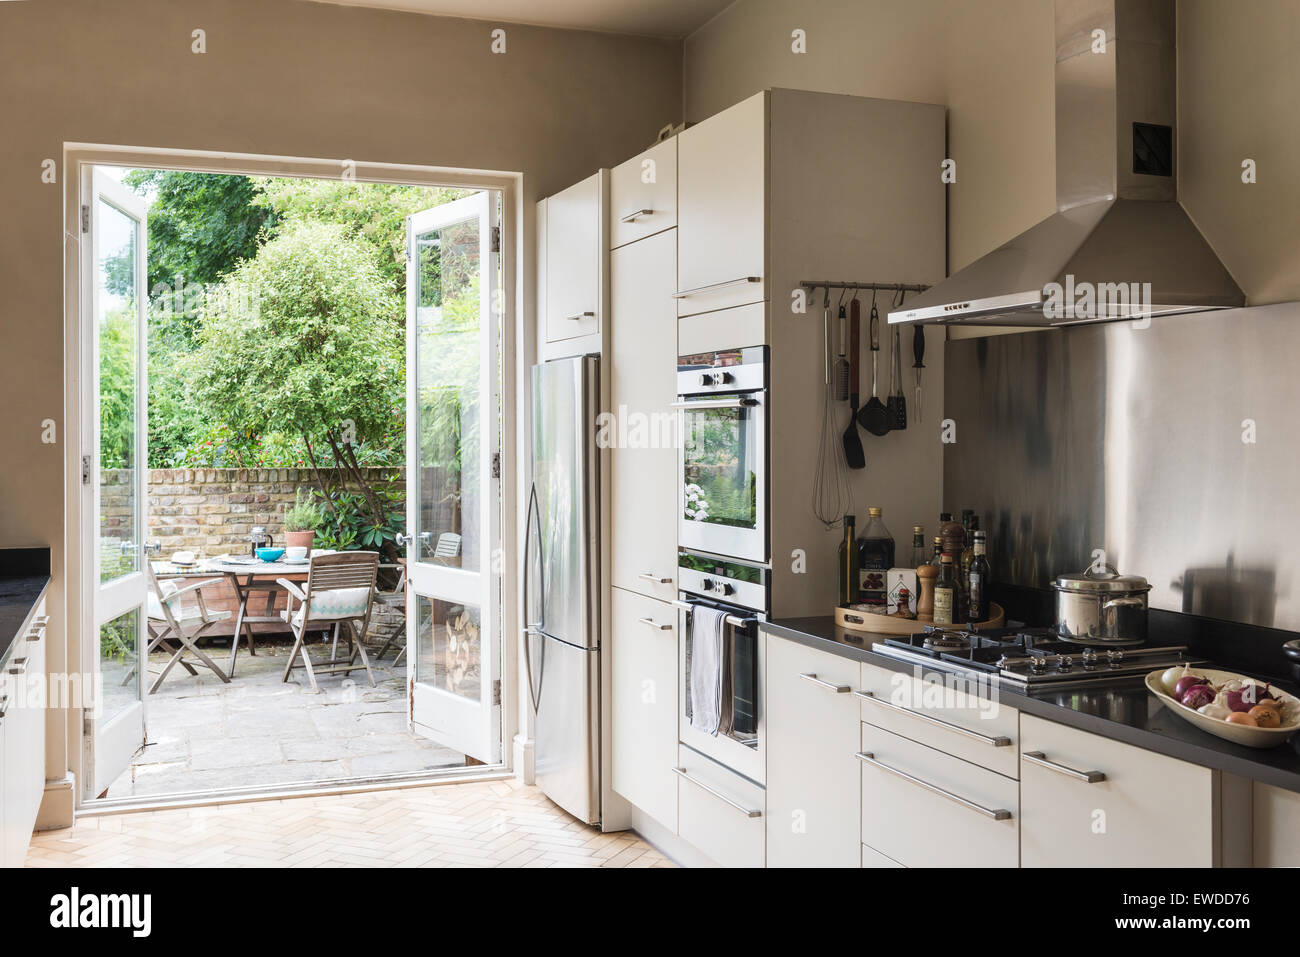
point(213, 510)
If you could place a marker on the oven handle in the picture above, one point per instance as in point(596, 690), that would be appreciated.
point(738, 402)
point(731, 619)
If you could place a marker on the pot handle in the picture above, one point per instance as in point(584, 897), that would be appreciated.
point(1091, 569)
point(1119, 602)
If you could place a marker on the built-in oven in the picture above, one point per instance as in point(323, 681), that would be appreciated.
point(721, 602)
point(722, 476)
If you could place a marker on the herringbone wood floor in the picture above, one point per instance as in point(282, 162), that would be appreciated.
point(485, 824)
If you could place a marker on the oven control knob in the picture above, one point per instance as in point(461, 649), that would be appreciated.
point(1064, 663)
point(1038, 664)
point(1115, 657)
point(725, 589)
point(1091, 660)
point(706, 584)
point(715, 378)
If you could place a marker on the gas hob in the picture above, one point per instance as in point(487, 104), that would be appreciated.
point(1028, 656)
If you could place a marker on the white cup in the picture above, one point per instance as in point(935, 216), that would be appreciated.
point(297, 551)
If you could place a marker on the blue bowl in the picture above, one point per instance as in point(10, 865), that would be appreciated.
point(269, 554)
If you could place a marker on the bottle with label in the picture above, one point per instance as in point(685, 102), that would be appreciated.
point(918, 546)
point(978, 579)
point(875, 559)
point(936, 552)
point(848, 565)
point(945, 592)
point(904, 604)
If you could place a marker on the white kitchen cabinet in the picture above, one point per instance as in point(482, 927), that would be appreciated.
point(718, 811)
point(924, 808)
point(1089, 801)
point(22, 739)
point(947, 714)
point(573, 286)
point(721, 209)
point(643, 385)
point(643, 195)
point(643, 656)
point(1276, 817)
point(813, 793)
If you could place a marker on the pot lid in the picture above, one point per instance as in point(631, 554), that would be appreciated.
point(1104, 579)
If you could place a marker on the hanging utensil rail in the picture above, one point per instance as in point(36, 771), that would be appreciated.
point(812, 284)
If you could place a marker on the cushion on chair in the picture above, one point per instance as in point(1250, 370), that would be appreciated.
point(336, 604)
point(165, 588)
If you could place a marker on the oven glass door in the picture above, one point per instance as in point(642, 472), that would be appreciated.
point(722, 492)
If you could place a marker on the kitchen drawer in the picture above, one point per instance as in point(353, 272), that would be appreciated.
point(724, 329)
point(968, 726)
point(946, 812)
point(719, 812)
point(643, 195)
point(643, 664)
point(873, 858)
point(1140, 809)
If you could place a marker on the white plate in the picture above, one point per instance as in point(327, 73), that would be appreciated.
point(296, 561)
point(1236, 733)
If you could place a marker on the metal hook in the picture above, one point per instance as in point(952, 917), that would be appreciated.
point(843, 292)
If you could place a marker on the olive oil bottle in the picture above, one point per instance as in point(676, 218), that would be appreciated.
point(848, 565)
point(945, 592)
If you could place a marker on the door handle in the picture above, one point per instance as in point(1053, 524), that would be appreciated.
point(654, 624)
point(633, 216)
point(836, 689)
point(748, 812)
point(1040, 759)
point(531, 631)
point(996, 740)
point(997, 814)
point(716, 285)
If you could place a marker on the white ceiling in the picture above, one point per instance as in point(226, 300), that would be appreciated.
point(660, 18)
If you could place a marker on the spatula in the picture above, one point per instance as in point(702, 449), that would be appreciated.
point(853, 454)
point(873, 416)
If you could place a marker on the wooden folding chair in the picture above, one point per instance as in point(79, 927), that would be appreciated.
point(394, 604)
point(340, 590)
point(175, 628)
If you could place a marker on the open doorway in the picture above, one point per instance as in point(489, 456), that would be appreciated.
point(279, 365)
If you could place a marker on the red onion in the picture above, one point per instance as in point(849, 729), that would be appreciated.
point(1197, 696)
point(1186, 682)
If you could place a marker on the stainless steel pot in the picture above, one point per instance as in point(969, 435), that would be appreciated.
point(1102, 605)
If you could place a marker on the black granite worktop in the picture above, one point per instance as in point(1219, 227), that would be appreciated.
point(24, 576)
point(1123, 710)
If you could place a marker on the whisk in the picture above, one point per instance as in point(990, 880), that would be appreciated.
point(832, 496)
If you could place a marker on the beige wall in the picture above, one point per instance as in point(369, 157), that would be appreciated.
point(991, 62)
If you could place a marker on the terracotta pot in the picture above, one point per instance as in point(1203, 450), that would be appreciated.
point(300, 539)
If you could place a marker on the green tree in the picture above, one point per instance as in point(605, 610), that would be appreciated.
point(319, 354)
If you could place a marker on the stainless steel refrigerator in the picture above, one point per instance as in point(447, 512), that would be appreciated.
point(561, 584)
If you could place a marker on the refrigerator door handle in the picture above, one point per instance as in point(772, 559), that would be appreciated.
point(532, 629)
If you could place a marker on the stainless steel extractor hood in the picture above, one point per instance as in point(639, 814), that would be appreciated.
point(1120, 245)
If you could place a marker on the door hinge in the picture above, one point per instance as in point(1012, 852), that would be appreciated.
point(496, 691)
point(496, 239)
point(85, 470)
point(85, 219)
point(496, 465)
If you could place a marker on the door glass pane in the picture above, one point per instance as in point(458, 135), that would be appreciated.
point(719, 471)
point(119, 658)
point(449, 647)
point(448, 321)
point(116, 323)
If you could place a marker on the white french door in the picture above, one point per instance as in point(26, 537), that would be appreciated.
point(113, 474)
point(453, 489)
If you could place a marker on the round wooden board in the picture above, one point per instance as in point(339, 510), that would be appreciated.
point(889, 625)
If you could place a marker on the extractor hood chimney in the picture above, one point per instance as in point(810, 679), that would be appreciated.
point(1120, 245)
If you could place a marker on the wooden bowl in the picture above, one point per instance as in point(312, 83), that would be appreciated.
point(889, 625)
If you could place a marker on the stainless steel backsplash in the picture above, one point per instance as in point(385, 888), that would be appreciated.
point(1175, 448)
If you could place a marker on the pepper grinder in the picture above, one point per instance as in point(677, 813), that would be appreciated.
point(925, 576)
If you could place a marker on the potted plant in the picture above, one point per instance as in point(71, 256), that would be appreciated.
point(301, 519)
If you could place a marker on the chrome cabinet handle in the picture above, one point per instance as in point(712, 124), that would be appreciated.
point(580, 316)
point(996, 740)
point(837, 689)
point(996, 814)
point(633, 216)
point(716, 285)
point(1040, 759)
point(654, 624)
point(740, 402)
point(748, 812)
point(18, 666)
point(656, 579)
